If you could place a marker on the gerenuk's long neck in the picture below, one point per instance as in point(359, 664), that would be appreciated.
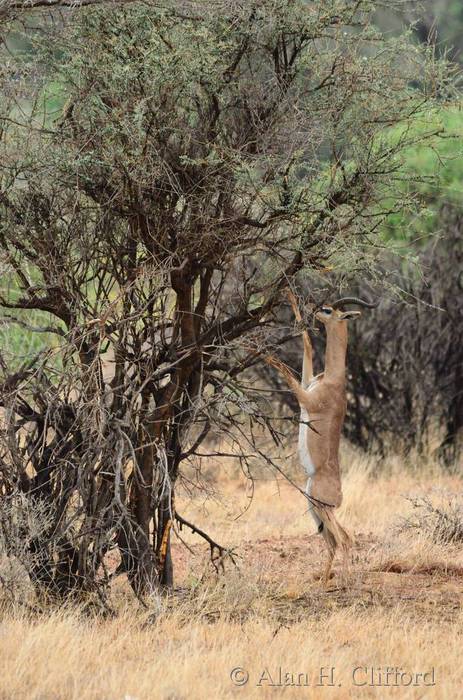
point(335, 353)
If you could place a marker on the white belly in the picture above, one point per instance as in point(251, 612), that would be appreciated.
point(303, 449)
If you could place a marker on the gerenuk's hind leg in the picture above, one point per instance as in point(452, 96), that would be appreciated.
point(329, 564)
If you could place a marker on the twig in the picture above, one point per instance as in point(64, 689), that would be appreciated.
point(215, 547)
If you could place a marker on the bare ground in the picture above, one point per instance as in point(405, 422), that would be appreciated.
point(433, 589)
point(398, 606)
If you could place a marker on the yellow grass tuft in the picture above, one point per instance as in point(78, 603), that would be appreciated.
point(398, 606)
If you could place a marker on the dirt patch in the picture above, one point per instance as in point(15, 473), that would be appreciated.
point(398, 567)
point(286, 569)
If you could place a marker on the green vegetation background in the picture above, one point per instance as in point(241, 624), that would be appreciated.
point(438, 168)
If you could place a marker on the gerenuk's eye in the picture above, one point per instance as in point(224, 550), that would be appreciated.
point(326, 310)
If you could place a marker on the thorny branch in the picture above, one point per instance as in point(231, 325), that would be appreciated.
point(218, 552)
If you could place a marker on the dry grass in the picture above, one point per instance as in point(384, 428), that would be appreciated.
point(398, 606)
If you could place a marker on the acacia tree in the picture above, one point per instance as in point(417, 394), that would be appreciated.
point(168, 175)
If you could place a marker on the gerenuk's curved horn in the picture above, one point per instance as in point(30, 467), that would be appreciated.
point(354, 300)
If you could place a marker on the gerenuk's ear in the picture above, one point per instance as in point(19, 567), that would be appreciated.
point(348, 315)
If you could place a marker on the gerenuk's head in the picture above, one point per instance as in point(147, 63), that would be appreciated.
point(334, 313)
